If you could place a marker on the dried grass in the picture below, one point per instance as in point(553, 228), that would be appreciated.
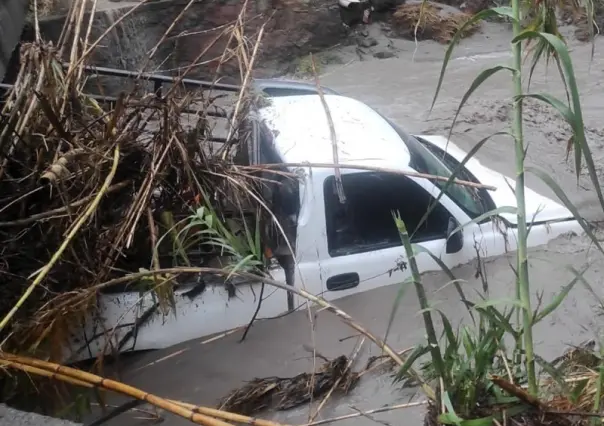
point(56, 151)
point(286, 393)
point(431, 21)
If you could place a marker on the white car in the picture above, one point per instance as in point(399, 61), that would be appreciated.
point(350, 248)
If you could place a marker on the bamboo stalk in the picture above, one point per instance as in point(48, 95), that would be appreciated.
point(47, 369)
point(18, 362)
point(374, 169)
point(522, 285)
point(437, 358)
point(225, 415)
point(74, 230)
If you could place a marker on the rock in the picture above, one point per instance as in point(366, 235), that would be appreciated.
point(384, 55)
point(367, 42)
point(12, 417)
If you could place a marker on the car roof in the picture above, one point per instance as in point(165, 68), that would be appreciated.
point(302, 134)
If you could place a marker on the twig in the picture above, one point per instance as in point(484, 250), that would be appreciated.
point(364, 413)
point(384, 362)
point(244, 84)
point(74, 230)
point(339, 379)
point(332, 133)
point(375, 169)
point(253, 319)
point(60, 210)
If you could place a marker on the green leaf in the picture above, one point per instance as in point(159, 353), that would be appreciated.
point(397, 300)
point(493, 302)
point(566, 113)
point(487, 13)
point(570, 81)
point(558, 376)
point(499, 319)
point(587, 285)
point(408, 364)
point(490, 213)
point(554, 102)
point(551, 307)
point(481, 78)
point(455, 173)
point(447, 271)
point(547, 179)
point(450, 417)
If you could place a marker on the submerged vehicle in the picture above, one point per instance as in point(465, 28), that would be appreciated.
point(343, 245)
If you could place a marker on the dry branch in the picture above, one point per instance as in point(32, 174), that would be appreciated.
point(375, 169)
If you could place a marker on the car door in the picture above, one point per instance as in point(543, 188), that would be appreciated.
point(361, 249)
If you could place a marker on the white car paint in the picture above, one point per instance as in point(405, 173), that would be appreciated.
point(302, 135)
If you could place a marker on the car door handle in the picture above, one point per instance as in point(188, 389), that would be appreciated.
point(343, 281)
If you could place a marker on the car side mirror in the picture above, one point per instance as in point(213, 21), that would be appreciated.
point(454, 241)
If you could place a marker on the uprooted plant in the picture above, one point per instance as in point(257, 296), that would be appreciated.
point(478, 377)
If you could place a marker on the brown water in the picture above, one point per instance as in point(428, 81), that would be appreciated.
point(402, 88)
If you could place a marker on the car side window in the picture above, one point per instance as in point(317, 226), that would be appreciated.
point(452, 164)
point(365, 221)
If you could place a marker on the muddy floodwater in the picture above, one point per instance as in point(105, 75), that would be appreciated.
point(402, 88)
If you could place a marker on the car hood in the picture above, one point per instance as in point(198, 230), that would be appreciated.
point(538, 207)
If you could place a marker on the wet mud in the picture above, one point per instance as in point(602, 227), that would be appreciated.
point(402, 87)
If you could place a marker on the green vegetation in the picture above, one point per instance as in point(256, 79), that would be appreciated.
point(478, 379)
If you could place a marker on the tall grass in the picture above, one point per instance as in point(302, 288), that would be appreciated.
point(464, 364)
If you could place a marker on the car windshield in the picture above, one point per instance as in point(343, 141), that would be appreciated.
point(423, 161)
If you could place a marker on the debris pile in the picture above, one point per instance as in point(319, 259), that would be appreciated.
point(278, 393)
point(430, 21)
point(90, 186)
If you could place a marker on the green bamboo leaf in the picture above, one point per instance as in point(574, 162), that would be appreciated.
point(481, 78)
point(578, 389)
point(493, 302)
point(502, 321)
point(408, 364)
point(397, 300)
point(554, 373)
point(455, 173)
point(487, 13)
point(547, 179)
point(559, 298)
point(554, 102)
point(586, 284)
point(450, 417)
point(447, 271)
point(452, 340)
point(570, 81)
point(566, 113)
point(490, 213)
